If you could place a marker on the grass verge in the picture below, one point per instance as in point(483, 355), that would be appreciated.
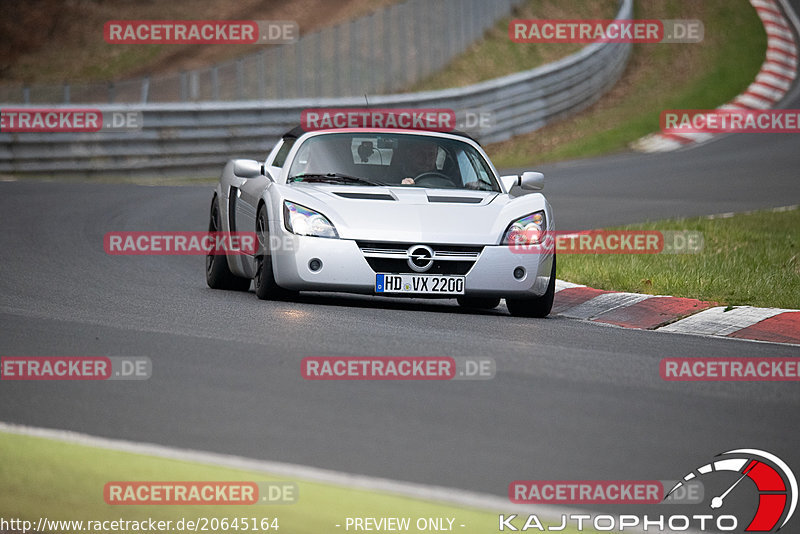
point(64, 481)
point(496, 55)
point(659, 76)
point(747, 259)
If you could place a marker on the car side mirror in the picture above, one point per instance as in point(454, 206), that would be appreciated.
point(247, 168)
point(529, 180)
point(532, 181)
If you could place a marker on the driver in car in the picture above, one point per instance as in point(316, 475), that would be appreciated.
point(420, 158)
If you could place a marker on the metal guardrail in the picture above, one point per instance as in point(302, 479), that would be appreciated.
point(196, 139)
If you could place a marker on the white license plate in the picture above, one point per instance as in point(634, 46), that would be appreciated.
point(426, 284)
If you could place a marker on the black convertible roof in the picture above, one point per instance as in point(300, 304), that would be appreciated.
point(297, 131)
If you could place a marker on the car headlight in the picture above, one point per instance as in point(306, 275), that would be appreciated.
point(301, 220)
point(528, 230)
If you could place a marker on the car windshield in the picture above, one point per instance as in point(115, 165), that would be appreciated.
point(408, 160)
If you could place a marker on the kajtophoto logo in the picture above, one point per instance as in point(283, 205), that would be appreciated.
point(772, 483)
point(774, 480)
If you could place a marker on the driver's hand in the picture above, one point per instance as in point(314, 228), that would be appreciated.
point(407, 181)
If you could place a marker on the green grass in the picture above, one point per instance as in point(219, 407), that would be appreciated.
point(748, 259)
point(64, 481)
point(496, 55)
point(658, 77)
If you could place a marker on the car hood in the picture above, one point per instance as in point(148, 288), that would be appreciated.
point(415, 215)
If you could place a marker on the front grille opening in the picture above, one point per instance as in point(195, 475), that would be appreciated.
point(467, 249)
point(386, 265)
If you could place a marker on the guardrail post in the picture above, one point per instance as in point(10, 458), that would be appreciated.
point(337, 60)
point(417, 40)
point(298, 68)
point(111, 92)
point(280, 72)
point(404, 36)
point(66, 93)
point(184, 86)
point(145, 89)
point(387, 49)
point(473, 20)
point(262, 77)
point(372, 62)
point(240, 79)
point(354, 59)
point(194, 85)
point(430, 29)
point(214, 83)
point(26, 94)
point(318, 64)
point(450, 44)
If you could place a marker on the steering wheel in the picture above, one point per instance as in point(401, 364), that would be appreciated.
point(436, 178)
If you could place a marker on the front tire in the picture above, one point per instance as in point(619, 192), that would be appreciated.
point(218, 274)
point(264, 280)
point(535, 307)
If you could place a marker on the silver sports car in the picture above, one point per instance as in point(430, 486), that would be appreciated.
point(389, 212)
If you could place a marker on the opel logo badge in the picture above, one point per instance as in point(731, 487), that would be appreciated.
point(420, 258)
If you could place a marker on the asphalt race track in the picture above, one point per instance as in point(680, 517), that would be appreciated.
point(571, 399)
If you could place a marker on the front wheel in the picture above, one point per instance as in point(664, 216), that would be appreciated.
point(264, 280)
point(535, 307)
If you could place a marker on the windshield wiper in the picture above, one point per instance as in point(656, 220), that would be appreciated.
point(333, 178)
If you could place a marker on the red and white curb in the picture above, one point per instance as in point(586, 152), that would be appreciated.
point(675, 314)
point(770, 85)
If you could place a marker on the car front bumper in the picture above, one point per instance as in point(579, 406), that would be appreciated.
point(344, 268)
